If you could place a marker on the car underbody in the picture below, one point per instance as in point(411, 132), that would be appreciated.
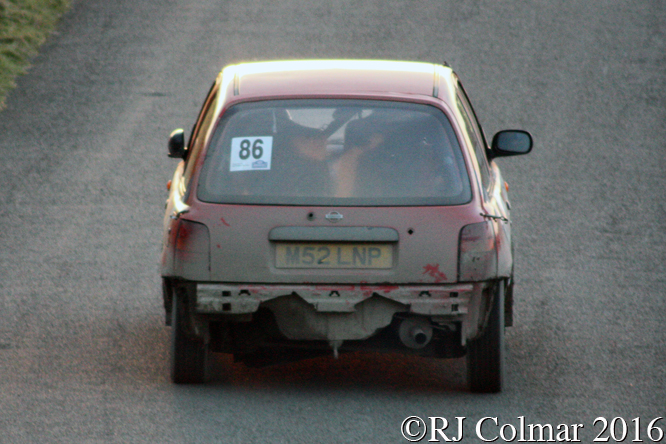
point(268, 324)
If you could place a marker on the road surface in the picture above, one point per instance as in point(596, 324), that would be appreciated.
point(83, 346)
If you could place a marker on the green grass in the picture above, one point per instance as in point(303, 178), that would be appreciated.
point(24, 26)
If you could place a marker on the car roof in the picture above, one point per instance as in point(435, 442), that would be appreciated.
point(335, 77)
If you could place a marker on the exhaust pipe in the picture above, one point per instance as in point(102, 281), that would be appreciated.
point(415, 332)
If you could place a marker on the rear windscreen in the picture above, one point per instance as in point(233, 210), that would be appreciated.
point(334, 152)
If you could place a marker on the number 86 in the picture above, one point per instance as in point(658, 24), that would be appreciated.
point(257, 149)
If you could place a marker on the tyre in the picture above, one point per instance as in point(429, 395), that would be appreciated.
point(485, 354)
point(188, 354)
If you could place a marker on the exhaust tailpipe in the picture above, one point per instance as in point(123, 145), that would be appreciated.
point(415, 332)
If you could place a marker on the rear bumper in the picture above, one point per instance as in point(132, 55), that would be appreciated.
point(437, 300)
point(348, 312)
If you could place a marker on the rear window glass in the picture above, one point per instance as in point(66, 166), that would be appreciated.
point(334, 152)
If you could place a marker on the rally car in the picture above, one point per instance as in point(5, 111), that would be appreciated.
point(327, 206)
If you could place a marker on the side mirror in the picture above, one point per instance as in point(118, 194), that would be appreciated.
point(511, 143)
point(177, 144)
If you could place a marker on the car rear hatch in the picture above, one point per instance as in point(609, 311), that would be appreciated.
point(333, 191)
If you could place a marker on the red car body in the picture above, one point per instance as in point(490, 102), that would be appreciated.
point(269, 276)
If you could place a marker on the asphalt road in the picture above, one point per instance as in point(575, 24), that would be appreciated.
point(83, 348)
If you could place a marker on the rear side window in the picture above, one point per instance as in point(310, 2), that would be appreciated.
point(334, 152)
point(475, 135)
point(199, 133)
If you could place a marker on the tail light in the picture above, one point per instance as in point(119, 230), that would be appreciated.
point(477, 258)
point(192, 251)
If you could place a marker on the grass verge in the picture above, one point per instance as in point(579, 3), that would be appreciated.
point(24, 26)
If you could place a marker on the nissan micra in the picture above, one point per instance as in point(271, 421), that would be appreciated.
point(328, 206)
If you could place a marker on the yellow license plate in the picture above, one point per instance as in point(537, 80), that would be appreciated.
point(318, 255)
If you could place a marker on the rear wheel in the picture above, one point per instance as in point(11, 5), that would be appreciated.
point(485, 354)
point(188, 354)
